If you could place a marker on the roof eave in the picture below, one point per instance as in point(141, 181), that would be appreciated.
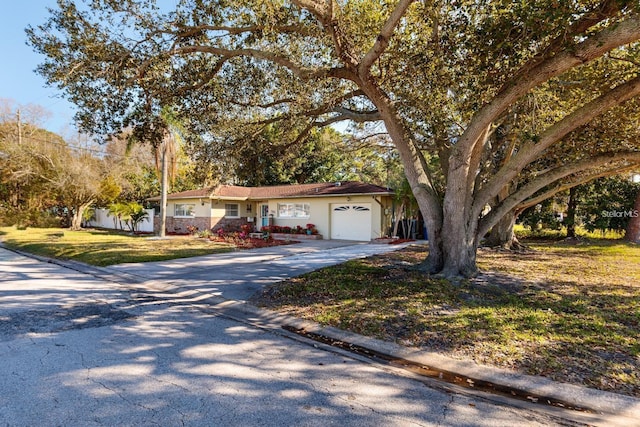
point(306, 196)
point(234, 198)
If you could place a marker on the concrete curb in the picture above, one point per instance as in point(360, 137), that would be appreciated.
point(621, 409)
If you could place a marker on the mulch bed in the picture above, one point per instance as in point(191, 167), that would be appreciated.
point(252, 243)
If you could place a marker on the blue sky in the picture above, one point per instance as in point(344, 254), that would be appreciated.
point(18, 80)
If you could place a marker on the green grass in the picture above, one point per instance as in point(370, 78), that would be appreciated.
point(104, 247)
point(569, 312)
point(526, 233)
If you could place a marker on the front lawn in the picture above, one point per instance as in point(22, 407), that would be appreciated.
point(567, 311)
point(106, 247)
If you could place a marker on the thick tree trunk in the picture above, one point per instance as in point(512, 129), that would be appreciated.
point(435, 259)
point(416, 172)
point(461, 233)
point(459, 250)
point(502, 234)
point(633, 228)
point(78, 212)
point(571, 213)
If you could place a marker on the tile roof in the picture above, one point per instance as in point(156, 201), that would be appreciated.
point(318, 189)
point(190, 194)
point(283, 191)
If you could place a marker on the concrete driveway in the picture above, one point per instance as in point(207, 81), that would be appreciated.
point(80, 351)
point(238, 275)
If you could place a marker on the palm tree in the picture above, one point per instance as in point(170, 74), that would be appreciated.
point(137, 214)
point(165, 154)
point(164, 134)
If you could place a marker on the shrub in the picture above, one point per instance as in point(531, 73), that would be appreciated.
point(204, 234)
point(30, 218)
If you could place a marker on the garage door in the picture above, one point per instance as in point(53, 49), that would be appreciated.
point(351, 221)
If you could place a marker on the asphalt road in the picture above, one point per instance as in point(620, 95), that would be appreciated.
point(76, 350)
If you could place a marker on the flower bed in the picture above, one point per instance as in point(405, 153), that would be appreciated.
point(308, 230)
point(251, 243)
point(244, 239)
point(288, 236)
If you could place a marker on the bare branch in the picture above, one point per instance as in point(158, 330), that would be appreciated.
point(266, 105)
point(382, 41)
point(299, 71)
point(320, 9)
point(190, 31)
point(331, 107)
point(605, 10)
point(323, 11)
point(358, 116)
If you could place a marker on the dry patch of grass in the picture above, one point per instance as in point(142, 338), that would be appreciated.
point(570, 312)
point(105, 247)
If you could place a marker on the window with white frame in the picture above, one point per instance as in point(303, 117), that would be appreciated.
point(231, 210)
point(184, 209)
point(293, 210)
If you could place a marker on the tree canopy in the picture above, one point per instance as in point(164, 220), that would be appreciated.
point(472, 93)
point(46, 180)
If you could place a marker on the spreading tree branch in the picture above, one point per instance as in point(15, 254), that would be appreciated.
point(531, 150)
point(548, 178)
point(382, 41)
point(572, 183)
point(590, 48)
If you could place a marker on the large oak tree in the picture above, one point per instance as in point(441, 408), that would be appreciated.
point(442, 77)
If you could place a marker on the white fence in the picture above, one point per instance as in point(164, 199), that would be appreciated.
point(103, 220)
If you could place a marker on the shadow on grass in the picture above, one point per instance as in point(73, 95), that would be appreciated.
point(109, 253)
point(578, 331)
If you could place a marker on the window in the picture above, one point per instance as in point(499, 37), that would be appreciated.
point(293, 210)
point(231, 210)
point(184, 209)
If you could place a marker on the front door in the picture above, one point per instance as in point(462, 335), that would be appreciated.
point(264, 214)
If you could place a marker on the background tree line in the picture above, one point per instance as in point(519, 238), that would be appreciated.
point(46, 179)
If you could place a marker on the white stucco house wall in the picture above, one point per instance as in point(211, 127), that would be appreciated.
point(343, 210)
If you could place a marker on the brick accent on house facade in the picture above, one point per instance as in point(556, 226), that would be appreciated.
point(230, 224)
point(180, 225)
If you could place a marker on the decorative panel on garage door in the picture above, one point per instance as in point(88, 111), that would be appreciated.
point(351, 221)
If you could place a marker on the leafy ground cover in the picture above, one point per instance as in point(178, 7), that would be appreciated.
point(106, 247)
point(568, 311)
